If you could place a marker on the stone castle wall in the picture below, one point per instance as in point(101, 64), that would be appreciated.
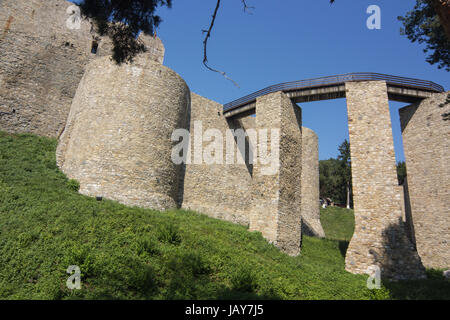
point(42, 62)
point(219, 190)
point(240, 192)
point(116, 139)
point(117, 142)
point(426, 142)
point(310, 184)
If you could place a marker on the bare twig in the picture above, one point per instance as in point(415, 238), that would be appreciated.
point(208, 35)
point(246, 7)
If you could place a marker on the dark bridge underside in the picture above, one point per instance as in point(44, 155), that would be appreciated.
point(333, 87)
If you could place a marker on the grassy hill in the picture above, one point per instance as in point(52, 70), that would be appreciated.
point(133, 253)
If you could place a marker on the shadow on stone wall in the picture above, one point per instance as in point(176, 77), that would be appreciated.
point(247, 150)
point(406, 114)
point(182, 168)
point(409, 223)
point(306, 229)
point(446, 115)
point(309, 230)
point(399, 259)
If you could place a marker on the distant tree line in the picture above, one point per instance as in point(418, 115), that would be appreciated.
point(335, 176)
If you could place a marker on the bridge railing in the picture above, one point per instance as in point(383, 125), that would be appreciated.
point(336, 80)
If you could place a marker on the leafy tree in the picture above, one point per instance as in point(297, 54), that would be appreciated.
point(122, 21)
point(335, 176)
point(346, 171)
point(429, 23)
point(401, 171)
point(442, 8)
point(331, 181)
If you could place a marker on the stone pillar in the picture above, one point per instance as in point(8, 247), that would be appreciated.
point(426, 141)
point(276, 210)
point(311, 225)
point(379, 238)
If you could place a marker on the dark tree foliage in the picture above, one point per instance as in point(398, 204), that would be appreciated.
point(122, 21)
point(335, 176)
point(332, 184)
point(423, 25)
point(344, 157)
point(346, 171)
point(401, 171)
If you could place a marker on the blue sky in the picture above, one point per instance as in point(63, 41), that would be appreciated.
point(292, 40)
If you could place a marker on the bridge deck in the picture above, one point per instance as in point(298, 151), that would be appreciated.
point(333, 87)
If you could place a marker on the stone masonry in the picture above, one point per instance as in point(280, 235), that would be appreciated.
point(276, 210)
point(220, 190)
point(117, 142)
point(379, 237)
point(42, 62)
point(426, 141)
point(234, 199)
point(311, 225)
point(407, 217)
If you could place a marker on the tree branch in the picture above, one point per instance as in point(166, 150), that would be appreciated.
point(205, 43)
point(246, 7)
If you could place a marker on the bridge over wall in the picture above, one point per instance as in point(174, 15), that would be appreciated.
point(380, 236)
point(333, 87)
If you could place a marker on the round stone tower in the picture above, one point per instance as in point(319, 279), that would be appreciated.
point(117, 140)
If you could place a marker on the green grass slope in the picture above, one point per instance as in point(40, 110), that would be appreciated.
point(133, 253)
point(337, 223)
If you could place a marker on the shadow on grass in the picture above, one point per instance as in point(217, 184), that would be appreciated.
point(343, 246)
point(190, 278)
point(233, 294)
point(435, 287)
point(400, 261)
point(186, 276)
